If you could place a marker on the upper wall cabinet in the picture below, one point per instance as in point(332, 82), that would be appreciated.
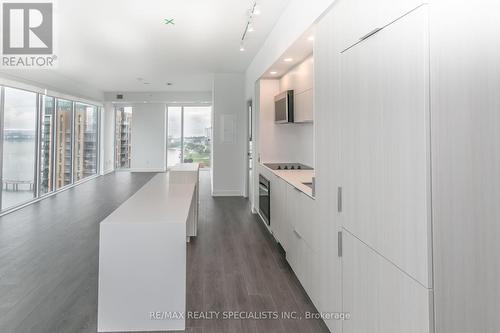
point(304, 107)
point(385, 143)
point(369, 16)
point(300, 80)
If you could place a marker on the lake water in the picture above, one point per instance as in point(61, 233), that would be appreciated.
point(18, 165)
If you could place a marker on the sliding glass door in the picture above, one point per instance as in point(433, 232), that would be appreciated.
point(19, 147)
point(189, 135)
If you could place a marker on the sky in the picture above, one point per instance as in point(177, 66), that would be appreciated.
point(20, 109)
point(196, 120)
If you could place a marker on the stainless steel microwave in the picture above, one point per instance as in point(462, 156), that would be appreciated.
point(283, 107)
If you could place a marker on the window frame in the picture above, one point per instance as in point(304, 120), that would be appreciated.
point(37, 195)
point(183, 106)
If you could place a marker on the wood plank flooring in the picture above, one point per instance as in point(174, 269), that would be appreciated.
point(49, 263)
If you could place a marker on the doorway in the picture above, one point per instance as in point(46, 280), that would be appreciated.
point(249, 162)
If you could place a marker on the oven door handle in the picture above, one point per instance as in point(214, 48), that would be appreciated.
point(263, 188)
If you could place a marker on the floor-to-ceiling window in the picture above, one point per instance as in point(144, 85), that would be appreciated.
point(64, 130)
point(46, 155)
point(174, 136)
point(19, 147)
point(85, 141)
point(197, 135)
point(123, 137)
point(189, 135)
point(47, 143)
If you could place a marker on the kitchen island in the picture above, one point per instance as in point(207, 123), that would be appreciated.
point(142, 258)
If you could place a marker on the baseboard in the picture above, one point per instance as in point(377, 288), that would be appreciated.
point(145, 170)
point(105, 172)
point(227, 193)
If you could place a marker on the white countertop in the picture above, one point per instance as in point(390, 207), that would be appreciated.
point(156, 202)
point(296, 178)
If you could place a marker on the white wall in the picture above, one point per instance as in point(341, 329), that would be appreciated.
point(285, 142)
point(107, 138)
point(229, 135)
point(148, 138)
point(282, 142)
point(144, 160)
point(170, 97)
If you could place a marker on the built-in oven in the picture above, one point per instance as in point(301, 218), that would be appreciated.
point(265, 199)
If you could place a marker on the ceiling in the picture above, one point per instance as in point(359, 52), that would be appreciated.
point(302, 48)
point(120, 45)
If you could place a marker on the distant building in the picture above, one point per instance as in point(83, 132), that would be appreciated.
point(63, 149)
point(123, 135)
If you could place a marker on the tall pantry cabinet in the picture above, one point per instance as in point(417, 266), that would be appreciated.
point(388, 81)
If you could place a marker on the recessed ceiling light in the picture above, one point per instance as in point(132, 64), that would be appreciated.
point(251, 28)
point(147, 83)
point(169, 83)
point(256, 10)
point(273, 73)
point(288, 59)
point(311, 38)
point(242, 48)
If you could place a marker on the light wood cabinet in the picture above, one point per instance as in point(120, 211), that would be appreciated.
point(300, 79)
point(385, 144)
point(363, 17)
point(378, 296)
point(304, 107)
point(279, 220)
point(300, 254)
point(385, 283)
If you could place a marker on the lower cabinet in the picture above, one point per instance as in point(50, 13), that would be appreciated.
point(379, 297)
point(300, 257)
point(279, 221)
point(293, 226)
point(299, 254)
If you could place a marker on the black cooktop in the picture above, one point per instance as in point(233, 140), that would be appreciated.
point(287, 166)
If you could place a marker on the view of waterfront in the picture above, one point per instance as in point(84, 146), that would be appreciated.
point(18, 170)
point(67, 150)
point(189, 135)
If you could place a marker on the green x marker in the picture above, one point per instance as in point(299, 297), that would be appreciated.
point(169, 21)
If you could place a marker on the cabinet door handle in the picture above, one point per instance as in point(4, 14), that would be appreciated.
point(371, 33)
point(297, 233)
point(339, 244)
point(339, 199)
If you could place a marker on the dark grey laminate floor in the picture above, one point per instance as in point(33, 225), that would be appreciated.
point(49, 263)
point(235, 265)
